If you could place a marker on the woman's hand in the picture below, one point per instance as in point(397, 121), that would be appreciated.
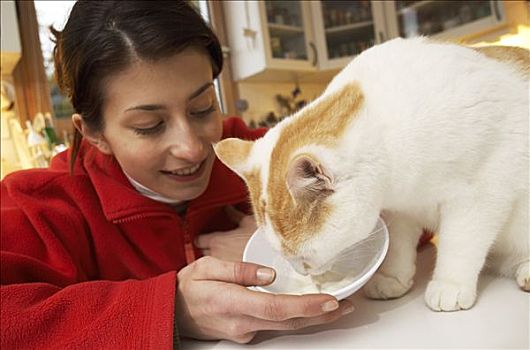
point(214, 303)
point(228, 245)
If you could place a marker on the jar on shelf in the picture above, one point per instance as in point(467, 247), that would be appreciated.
point(276, 46)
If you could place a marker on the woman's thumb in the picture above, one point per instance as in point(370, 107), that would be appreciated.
point(243, 273)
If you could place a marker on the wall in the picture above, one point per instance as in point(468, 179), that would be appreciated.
point(10, 38)
point(516, 13)
point(261, 96)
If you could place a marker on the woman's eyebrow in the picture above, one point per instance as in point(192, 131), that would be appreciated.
point(145, 108)
point(200, 90)
point(150, 107)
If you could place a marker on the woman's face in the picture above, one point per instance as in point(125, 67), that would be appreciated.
point(160, 121)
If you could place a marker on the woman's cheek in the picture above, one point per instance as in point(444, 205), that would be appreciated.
point(216, 129)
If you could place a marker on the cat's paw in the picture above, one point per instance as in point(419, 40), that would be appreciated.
point(522, 276)
point(445, 296)
point(382, 286)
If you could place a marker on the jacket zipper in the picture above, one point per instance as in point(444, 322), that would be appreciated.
point(130, 218)
point(189, 248)
point(144, 215)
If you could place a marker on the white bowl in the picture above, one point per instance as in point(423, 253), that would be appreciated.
point(350, 272)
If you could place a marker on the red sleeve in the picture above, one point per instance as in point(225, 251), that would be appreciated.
point(92, 315)
point(48, 300)
point(236, 127)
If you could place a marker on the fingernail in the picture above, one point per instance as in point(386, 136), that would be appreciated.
point(265, 275)
point(348, 310)
point(330, 305)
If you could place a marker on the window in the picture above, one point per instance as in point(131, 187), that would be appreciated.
point(202, 5)
point(53, 13)
point(56, 13)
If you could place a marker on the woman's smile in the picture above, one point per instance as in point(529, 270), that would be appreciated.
point(186, 174)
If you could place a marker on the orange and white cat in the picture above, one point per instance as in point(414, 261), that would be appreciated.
point(426, 134)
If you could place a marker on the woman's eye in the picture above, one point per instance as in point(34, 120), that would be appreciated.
point(150, 130)
point(203, 113)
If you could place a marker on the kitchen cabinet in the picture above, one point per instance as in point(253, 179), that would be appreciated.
point(270, 40)
point(442, 19)
point(344, 29)
point(290, 40)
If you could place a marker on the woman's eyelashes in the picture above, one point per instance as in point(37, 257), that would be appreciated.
point(152, 130)
point(203, 113)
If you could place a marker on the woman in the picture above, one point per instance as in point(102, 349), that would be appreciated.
point(102, 249)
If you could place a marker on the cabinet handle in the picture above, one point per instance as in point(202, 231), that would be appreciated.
point(315, 57)
point(496, 10)
point(381, 37)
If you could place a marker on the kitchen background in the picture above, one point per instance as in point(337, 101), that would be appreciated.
point(279, 56)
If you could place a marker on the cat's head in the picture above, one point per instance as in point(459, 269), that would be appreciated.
point(298, 193)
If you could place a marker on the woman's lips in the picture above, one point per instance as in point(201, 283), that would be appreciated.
point(181, 176)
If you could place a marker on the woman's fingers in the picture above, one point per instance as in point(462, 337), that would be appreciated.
point(241, 218)
point(247, 227)
point(204, 241)
point(345, 308)
point(249, 325)
point(281, 307)
point(234, 214)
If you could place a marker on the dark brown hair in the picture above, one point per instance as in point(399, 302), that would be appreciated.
point(102, 38)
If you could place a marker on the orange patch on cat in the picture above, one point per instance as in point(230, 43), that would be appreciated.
point(517, 56)
point(321, 124)
point(234, 153)
point(253, 180)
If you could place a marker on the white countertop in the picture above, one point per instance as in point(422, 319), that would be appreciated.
point(499, 320)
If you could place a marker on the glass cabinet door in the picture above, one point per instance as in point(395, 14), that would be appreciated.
point(348, 27)
point(433, 17)
point(286, 30)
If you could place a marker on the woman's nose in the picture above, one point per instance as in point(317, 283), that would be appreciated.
point(187, 144)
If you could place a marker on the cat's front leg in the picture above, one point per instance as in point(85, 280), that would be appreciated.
point(522, 276)
point(467, 231)
point(395, 276)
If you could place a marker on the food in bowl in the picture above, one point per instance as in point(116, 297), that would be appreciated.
point(351, 270)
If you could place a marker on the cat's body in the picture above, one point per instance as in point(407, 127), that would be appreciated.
point(429, 134)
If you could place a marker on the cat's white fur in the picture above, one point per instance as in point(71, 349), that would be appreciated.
point(440, 142)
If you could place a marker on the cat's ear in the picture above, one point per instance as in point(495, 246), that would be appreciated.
point(234, 153)
point(308, 179)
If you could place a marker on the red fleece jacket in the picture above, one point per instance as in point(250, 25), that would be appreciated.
point(88, 262)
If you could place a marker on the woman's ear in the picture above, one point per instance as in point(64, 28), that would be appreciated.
point(97, 140)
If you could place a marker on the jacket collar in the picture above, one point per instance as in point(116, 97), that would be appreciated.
point(120, 201)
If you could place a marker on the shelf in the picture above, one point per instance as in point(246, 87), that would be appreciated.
point(416, 5)
point(285, 28)
point(289, 76)
point(347, 27)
